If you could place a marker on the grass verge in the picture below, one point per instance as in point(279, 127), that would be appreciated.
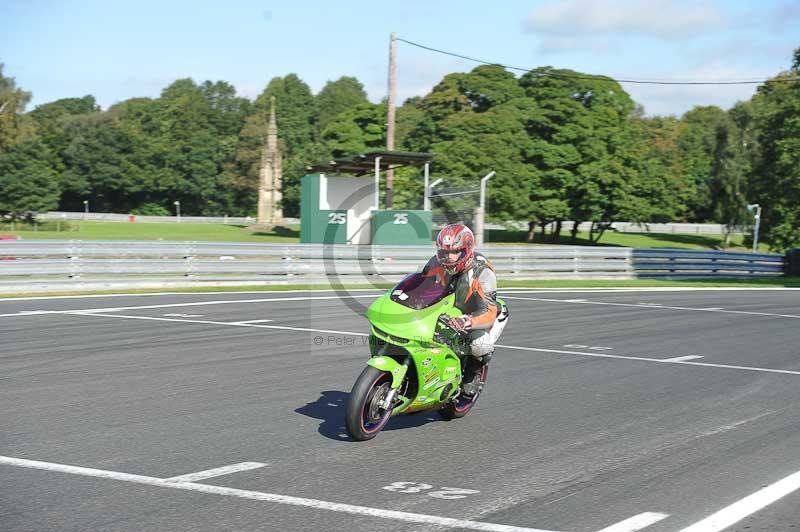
point(290, 234)
point(146, 231)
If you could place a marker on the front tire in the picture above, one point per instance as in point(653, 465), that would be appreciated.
point(364, 418)
point(462, 404)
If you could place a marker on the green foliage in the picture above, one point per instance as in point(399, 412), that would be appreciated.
point(357, 130)
point(151, 209)
point(14, 127)
point(697, 142)
point(27, 181)
point(295, 111)
point(564, 146)
point(729, 171)
point(659, 193)
point(776, 175)
point(338, 96)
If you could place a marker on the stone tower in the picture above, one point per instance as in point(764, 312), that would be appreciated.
point(270, 174)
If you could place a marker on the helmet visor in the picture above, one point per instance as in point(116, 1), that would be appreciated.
point(450, 257)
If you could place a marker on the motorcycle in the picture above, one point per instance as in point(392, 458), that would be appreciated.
point(417, 361)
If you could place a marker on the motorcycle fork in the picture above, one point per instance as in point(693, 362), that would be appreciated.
point(389, 399)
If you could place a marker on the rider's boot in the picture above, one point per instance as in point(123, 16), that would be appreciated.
point(472, 383)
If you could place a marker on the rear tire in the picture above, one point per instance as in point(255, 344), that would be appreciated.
point(364, 419)
point(462, 404)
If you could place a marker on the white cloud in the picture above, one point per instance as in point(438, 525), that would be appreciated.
point(664, 19)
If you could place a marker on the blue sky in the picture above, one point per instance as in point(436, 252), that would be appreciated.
point(117, 49)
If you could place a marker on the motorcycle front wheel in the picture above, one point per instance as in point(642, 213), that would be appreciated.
point(365, 417)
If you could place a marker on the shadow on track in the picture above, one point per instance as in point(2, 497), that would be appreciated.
point(330, 408)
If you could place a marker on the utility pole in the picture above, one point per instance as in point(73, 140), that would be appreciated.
point(390, 115)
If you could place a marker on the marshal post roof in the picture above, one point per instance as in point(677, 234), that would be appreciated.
point(364, 163)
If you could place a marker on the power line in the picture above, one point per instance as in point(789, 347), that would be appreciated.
point(602, 78)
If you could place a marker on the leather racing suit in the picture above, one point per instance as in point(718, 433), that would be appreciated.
point(476, 296)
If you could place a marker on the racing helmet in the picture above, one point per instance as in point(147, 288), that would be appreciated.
point(455, 239)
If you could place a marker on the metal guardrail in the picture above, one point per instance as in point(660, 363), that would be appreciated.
point(634, 227)
point(682, 263)
point(30, 265)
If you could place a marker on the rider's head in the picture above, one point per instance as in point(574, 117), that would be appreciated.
point(455, 246)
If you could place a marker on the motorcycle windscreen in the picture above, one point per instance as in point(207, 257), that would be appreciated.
point(417, 291)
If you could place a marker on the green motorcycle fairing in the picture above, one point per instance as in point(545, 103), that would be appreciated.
point(404, 340)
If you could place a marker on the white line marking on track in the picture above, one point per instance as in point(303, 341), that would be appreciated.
point(646, 359)
point(173, 305)
point(637, 522)
point(747, 506)
point(250, 321)
point(509, 289)
point(238, 292)
point(209, 322)
point(217, 472)
point(269, 497)
point(223, 302)
point(682, 359)
point(28, 313)
point(178, 315)
point(541, 350)
point(653, 306)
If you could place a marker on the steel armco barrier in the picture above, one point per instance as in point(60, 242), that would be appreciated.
point(31, 265)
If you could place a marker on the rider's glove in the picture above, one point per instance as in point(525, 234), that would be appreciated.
point(460, 323)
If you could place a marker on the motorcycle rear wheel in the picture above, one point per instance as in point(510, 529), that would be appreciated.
point(364, 418)
point(462, 404)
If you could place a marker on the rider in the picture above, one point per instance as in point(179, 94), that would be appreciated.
point(472, 277)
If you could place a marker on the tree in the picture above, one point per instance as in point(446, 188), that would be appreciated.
point(697, 143)
point(295, 110)
point(776, 174)
point(228, 111)
point(355, 131)
point(478, 91)
point(660, 192)
point(579, 126)
point(14, 127)
point(27, 182)
point(729, 179)
point(110, 162)
point(338, 96)
point(52, 120)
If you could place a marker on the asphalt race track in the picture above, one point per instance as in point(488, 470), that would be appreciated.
point(611, 411)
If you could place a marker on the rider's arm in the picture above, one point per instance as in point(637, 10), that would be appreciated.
point(486, 288)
